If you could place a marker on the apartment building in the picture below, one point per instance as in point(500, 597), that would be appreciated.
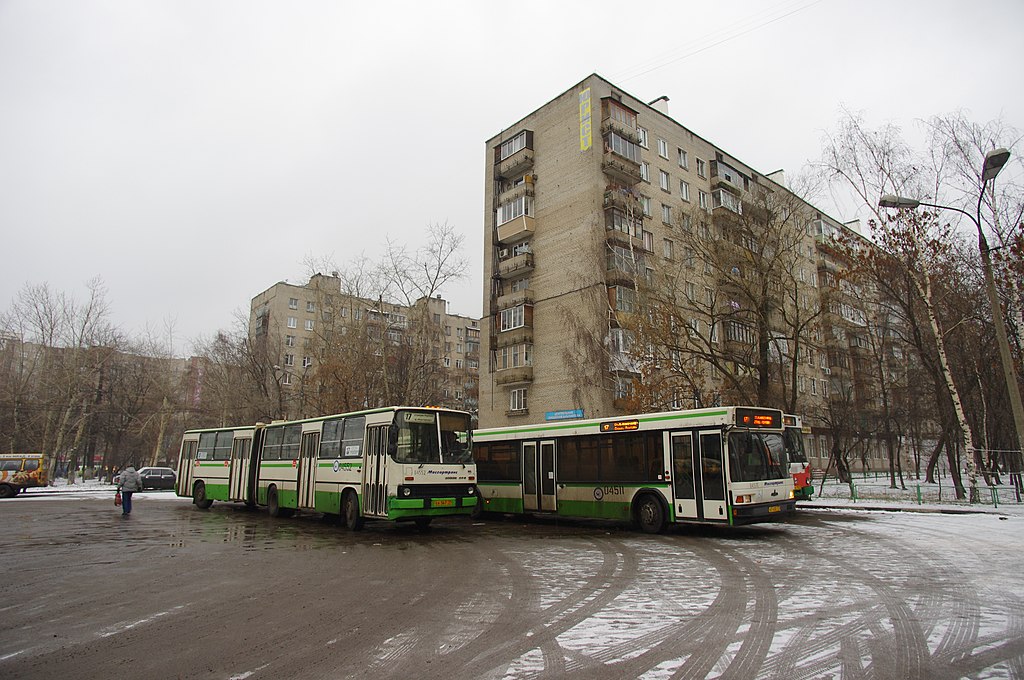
point(316, 335)
point(601, 211)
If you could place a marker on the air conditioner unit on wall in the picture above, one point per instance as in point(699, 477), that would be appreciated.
point(502, 253)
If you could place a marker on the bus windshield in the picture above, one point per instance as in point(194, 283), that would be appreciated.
point(437, 437)
point(756, 455)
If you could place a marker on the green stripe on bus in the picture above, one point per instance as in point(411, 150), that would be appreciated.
point(578, 424)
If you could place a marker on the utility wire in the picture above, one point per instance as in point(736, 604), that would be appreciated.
point(762, 19)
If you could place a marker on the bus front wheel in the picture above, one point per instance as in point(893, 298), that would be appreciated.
point(199, 496)
point(650, 515)
point(351, 511)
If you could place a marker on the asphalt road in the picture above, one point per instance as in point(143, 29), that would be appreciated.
point(175, 592)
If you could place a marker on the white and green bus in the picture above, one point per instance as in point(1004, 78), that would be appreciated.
point(398, 463)
point(713, 466)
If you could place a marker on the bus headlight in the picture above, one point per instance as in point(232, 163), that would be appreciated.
point(471, 490)
point(406, 491)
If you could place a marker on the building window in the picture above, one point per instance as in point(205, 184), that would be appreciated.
point(516, 144)
point(458, 363)
point(289, 341)
point(517, 399)
point(643, 136)
point(309, 324)
point(702, 168)
point(624, 388)
point(684, 161)
point(515, 356)
point(622, 146)
point(684, 190)
point(514, 317)
point(286, 379)
point(293, 303)
point(307, 362)
point(293, 322)
point(648, 242)
point(447, 362)
point(724, 199)
point(663, 148)
point(663, 181)
point(521, 284)
point(517, 207)
point(625, 299)
point(645, 172)
point(702, 199)
point(666, 214)
point(669, 249)
point(824, 388)
point(289, 359)
point(645, 202)
point(310, 306)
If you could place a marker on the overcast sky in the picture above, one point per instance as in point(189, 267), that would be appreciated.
point(192, 153)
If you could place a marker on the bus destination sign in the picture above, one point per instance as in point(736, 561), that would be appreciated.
point(620, 425)
point(758, 417)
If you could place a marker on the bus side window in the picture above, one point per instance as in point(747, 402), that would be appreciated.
point(31, 464)
point(655, 463)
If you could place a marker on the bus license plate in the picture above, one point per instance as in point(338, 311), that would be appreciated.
point(774, 508)
point(443, 503)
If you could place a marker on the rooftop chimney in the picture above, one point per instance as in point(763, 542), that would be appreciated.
point(661, 104)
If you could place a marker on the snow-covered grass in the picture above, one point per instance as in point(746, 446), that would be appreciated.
point(874, 489)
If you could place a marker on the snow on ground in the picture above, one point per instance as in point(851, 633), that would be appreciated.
point(82, 489)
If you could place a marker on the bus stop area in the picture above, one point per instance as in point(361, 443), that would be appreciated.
point(173, 591)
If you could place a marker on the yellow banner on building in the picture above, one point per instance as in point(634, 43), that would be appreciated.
point(586, 128)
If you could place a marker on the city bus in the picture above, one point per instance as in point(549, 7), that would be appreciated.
point(796, 457)
point(20, 471)
point(710, 466)
point(399, 463)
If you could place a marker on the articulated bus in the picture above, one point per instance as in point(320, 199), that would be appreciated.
point(799, 467)
point(713, 466)
point(400, 463)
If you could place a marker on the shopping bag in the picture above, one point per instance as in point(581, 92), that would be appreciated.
point(117, 498)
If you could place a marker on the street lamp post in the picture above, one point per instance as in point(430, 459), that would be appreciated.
point(994, 162)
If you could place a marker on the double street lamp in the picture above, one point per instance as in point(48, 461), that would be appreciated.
point(994, 162)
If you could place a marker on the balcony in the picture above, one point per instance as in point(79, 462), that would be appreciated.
point(516, 336)
point(513, 376)
point(516, 229)
point(522, 189)
point(621, 168)
point(621, 129)
point(624, 199)
point(724, 176)
point(621, 238)
point(617, 277)
point(516, 164)
point(720, 198)
point(516, 266)
point(519, 297)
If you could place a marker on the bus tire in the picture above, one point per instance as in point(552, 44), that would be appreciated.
point(423, 523)
point(199, 496)
point(650, 514)
point(350, 510)
point(8, 491)
point(274, 508)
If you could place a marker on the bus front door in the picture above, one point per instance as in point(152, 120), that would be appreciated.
point(375, 472)
point(698, 475)
point(307, 470)
point(186, 467)
point(238, 483)
point(539, 477)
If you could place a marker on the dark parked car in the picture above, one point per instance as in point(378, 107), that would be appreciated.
point(157, 477)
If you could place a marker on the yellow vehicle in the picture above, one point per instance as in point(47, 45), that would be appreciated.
point(19, 471)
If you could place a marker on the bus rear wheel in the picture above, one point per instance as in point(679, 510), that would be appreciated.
point(650, 515)
point(199, 496)
point(350, 510)
point(274, 508)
